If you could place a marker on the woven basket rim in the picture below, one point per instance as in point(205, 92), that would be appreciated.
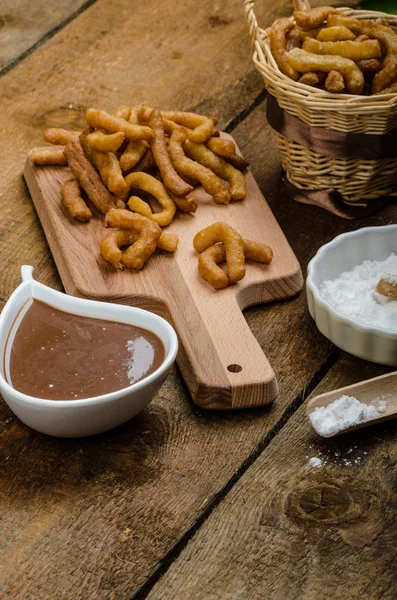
point(263, 59)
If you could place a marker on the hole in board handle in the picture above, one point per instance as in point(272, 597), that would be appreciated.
point(235, 368)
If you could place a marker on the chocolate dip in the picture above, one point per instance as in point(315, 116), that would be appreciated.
point(57, 355)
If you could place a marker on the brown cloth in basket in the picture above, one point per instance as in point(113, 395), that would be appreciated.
point(335, 144)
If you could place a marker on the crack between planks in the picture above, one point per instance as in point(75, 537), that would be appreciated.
point(14, 63)
point(166, 562)
point(245, 112)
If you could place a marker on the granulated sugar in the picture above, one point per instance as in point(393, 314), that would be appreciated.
point(344, 412)
point(316, 462)
point(353, 294)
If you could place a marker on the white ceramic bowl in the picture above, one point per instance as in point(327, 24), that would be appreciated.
point(78, 418)
point(342, 254)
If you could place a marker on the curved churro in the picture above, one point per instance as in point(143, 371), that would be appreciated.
point(234, 247)
point(314, 17)
point(145, 244)
point(209, 259)
point(277, 35)
point(136, 148)
point(111, 245)
point(187, 167)
point(102, 120)
point(105, 142)
point(151, 185)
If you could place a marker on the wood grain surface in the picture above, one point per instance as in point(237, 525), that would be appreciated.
point(24, 24)
point(289, 530)
point(101, 518)
point(223, 369)
point(161, 473)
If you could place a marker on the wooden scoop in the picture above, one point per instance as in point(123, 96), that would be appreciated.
point(378, 388)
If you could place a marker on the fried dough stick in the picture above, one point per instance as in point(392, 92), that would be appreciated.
point(313, 18)
point(111, 245)
point(209, 259)
point(199, 127)
point(221, 146)
point(57, 135)
point(151, 185)
point(335, 34)
point(233, 243)
point(107, 165)
point(187, 167)
point(48, 156)
point(105, 142)
point(385, 35)
point(335, 82)
point(148, 235)
point(73, 202)
point(347, 49)
point(224, 170)
point(136, 148)
point(88, 177)
point(170, 177)
point(277, 35)
point(306, 61)
point(102, 120)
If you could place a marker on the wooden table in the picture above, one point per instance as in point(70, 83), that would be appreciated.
point(182, 503)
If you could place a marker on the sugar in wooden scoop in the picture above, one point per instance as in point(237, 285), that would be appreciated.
point(343, 413)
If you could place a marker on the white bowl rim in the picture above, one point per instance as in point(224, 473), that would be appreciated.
point(357, 325)
point(103, 398)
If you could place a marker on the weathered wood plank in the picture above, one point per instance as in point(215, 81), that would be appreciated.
point(108, 509)
point(23, 24)
point(92, 518)
point(290, 531)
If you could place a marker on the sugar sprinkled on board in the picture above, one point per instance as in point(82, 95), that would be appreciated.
point(316, 462)
point(340, 414)
point(353, 294)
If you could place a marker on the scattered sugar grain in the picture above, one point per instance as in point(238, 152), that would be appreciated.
point(316, 462)
point(344, 412)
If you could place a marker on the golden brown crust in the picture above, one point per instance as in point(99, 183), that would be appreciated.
point(48, 156)
point(190, 168)
point(170, 177)
point(314, 17)
point(278, 42)
point(73, 202)
point(221, 168)
point(234, 247)
point(148, 235)
point(88, 177)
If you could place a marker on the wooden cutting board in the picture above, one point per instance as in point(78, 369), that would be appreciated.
point(222, 363)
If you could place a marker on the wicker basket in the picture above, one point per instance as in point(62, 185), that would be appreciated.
point(354, 179)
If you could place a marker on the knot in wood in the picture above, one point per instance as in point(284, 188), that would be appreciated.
point(70, 117)
point(322, 503)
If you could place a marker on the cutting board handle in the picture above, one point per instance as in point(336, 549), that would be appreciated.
point(222, 363)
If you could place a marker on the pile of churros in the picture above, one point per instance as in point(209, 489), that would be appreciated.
point(126, 161)
point(326, 49)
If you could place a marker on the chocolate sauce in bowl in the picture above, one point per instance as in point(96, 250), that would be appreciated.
point(57, 355)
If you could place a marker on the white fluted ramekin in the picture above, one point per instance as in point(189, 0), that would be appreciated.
point(342, 254)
